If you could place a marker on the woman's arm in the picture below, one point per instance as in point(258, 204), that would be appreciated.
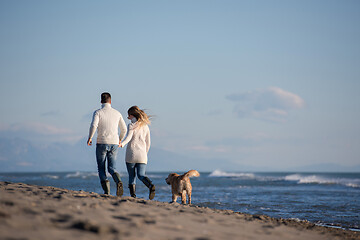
point(130, 134)
point(147, 140)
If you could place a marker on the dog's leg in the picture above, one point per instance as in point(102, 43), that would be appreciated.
point(188, 191)
point(183, 197)
point(174, 198)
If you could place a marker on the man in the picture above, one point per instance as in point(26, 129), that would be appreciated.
point(107, 121)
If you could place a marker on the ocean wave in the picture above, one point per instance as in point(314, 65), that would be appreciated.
point(151, 176)
point(52, 176)
point(83, 175)
point(219, 173)
point(165, 188)
point(316, 179)
point(354, 185)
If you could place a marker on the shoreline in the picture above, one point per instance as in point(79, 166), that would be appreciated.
point(37, 212)
point(336, 227)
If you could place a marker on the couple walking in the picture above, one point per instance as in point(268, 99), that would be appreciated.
point(107, 121)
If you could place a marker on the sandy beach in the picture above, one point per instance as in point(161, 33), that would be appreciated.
point(39, 212)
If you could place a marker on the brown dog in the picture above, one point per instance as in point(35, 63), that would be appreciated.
point(180, 185)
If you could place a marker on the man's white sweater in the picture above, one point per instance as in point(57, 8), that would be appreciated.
point(107, 121)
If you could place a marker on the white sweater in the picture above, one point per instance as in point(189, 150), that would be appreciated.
point(138, 140)
point(107, 121)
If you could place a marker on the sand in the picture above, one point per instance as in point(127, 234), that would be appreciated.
point(36, 212)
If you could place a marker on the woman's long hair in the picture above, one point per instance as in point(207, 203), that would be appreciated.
point(140, 115)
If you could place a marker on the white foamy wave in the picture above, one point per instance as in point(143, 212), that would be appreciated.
point(296, 219)
point(315, 179)
point(354, 185)
point(219, 173)
point(309, 179)
point(83, 175)
point(52, 176)
point(166, 188)
point(155, 176)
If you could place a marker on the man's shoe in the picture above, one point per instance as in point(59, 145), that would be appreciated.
point(119, 186)
point(119, 189)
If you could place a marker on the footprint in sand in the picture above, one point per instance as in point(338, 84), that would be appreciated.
point(136, 215)
point(93, 227)
point(122, 218)
point(7, 203)
point(28, 189)
point(61, 218)
point(268, 226)
point(30, 211)
point(4, 215)
point(50, 210)
point(149, 221)
point(145, 218)
point(115, 203)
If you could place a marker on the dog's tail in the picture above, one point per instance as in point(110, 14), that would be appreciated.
point(191, 173)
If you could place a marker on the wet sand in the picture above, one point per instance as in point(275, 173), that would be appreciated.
point(36, 212)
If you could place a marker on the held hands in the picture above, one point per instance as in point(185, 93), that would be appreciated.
point(89, 142)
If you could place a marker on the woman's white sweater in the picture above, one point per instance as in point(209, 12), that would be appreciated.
point(138, 140)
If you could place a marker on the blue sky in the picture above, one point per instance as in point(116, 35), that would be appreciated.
point(270, 84)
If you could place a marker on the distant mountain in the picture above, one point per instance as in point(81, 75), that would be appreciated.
point(19, 155)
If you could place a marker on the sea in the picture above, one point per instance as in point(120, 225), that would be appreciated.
point(326, 199)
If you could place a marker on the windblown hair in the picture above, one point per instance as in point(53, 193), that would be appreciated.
point(105, 97)
point(140, 115)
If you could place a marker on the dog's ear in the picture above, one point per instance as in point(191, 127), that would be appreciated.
point(167, 180)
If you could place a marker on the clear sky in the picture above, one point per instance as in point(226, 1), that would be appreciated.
point(260, 83)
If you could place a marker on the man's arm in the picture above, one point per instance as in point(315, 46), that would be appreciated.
point(123, 128)
point(93, 126)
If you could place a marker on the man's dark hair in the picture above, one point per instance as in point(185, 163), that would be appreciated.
point(105, 97)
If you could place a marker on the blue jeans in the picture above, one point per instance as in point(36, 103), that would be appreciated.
point(106, 152)
point(140, 170)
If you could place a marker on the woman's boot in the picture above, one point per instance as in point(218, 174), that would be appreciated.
point(151, 187)
point(119, 186)
point(106, 186)
point(132, 188)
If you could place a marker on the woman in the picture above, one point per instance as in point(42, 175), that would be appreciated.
point(138, 140)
